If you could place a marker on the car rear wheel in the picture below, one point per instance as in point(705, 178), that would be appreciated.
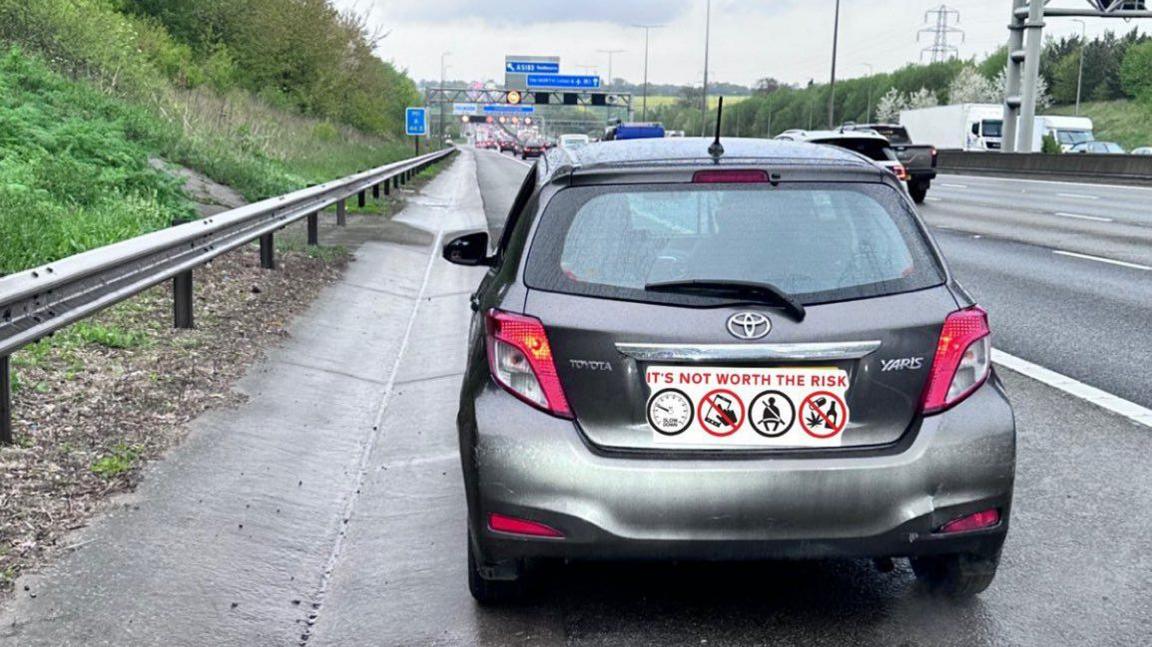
point(962, 575)
point(918, 190)
point(493, 592)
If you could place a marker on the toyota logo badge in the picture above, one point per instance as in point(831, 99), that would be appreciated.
point(749, 325)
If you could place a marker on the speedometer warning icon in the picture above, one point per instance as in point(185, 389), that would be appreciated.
point(670, 412)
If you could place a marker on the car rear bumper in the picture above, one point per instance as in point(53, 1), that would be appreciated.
point(524, 463)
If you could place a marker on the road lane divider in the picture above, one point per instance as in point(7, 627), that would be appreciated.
point(1087, 185)
point(1101, 259)
point(1078, 196)
point(1080, 216)
point(954, 186)
point(1115, 404)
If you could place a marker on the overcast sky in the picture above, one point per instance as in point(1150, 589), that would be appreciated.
point(788, 39)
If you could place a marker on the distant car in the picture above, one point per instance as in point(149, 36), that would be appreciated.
point(573, 141)
point(1098, 148)
point(532, 148)
point(868, 143)
point(919, 160)
point(1143, 150)
point(507, 145)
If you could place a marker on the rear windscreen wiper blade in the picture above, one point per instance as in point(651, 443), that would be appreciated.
point(761, 292)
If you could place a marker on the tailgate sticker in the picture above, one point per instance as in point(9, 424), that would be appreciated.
point(729, 407)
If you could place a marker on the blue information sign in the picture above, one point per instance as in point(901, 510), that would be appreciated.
point(531, 67)
point(499, 108)
point(416, 122)
point(564, 81)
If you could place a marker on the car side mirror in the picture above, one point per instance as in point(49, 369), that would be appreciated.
point(469, 250)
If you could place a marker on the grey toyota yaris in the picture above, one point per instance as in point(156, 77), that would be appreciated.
point(750, 354)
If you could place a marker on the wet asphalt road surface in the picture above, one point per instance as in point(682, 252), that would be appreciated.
point(329, 510)
point(1008, 242)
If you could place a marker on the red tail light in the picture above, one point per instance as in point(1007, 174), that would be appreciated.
point(750, 176)
point(520, 358)
point(501, 523)
point(963, 359)
point(982, 519)
point(901, 172)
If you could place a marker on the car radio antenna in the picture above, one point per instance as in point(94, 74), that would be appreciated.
point(716, 150)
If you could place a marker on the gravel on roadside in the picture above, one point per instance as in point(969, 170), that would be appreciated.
point(100, 398)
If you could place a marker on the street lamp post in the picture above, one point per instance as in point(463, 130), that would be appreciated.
point(832, 79)
point(644, 105)
point(443, 95)
point(610, 53)
point(1080, 74)
point(870, 72)
point(707, 42)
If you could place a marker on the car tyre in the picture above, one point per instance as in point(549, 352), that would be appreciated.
point(918, 191)
point(492, 592)
point(959, 576)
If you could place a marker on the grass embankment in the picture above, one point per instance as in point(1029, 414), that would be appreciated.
point(1128, 123)
point(74, 159)
point(662, 100)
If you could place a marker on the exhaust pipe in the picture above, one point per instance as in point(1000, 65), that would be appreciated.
point(884, 564)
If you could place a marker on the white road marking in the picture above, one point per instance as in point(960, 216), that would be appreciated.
point(1115, 404)
point(1056, 182)
point(932, 199)
point(1078, 196)
point(954, 186)
point(1101, 259)
point(1080, 216)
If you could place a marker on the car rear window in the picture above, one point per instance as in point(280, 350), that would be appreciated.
point(894, 135)
point(818, 242)
point(874, 149)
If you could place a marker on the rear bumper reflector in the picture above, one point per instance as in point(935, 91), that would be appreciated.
point(976, 521)
point(516, 526)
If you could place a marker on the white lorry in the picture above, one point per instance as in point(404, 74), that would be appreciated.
point(1067, 131)
point(980, 127)
point(964, 126)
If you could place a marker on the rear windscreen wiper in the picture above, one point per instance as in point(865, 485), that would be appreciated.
point(761, 292)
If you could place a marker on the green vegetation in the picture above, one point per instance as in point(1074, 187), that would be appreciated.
point(108, 336)
point(266, 96)
point(1128, 123)
point(663, 100)
point(71, 177)
point(1115, 68)
point(121, 460)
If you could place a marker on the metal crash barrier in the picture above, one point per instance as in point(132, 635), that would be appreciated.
point(39, 301)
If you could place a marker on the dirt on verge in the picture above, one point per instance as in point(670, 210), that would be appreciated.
point(98, 400)
point(103, 397)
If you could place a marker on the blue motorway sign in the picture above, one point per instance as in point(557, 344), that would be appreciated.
point(578, 82)
point(416, 122)
point(499, 108)
point(531, 67)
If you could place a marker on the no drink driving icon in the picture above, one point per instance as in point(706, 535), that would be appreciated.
point(720, 412)
point(823, 414)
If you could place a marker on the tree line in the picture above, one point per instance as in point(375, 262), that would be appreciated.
point(303, 55)
point(1115, 67)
